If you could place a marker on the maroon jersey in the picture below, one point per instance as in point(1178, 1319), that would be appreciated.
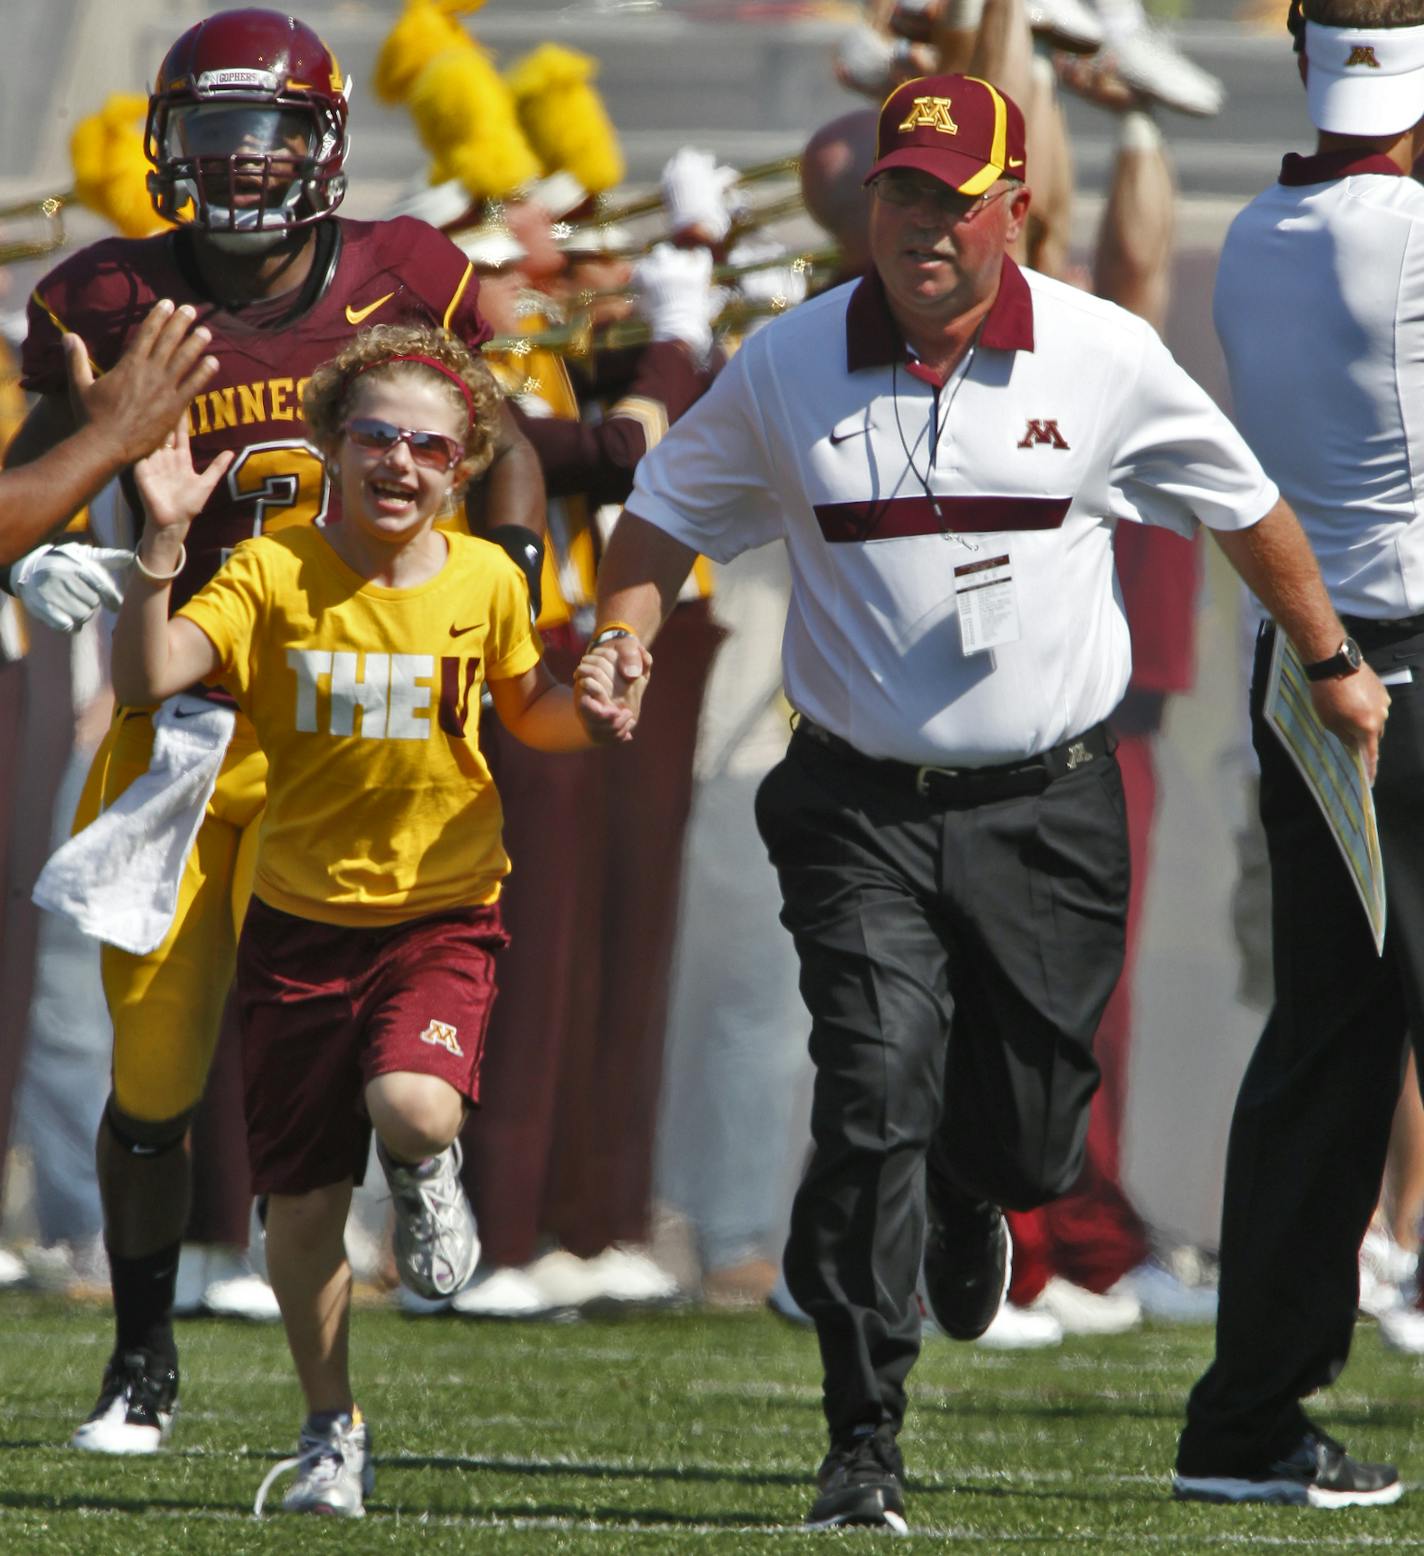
point(387, 272)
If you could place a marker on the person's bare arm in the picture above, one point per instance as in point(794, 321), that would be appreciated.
point(539, 711)
point(511, 491)
point(1276, 563)
point(62, 456)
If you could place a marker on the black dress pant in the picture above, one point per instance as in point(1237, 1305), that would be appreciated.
point(955, 962)
point(1312, 1121)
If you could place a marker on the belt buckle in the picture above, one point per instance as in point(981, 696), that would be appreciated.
point(924, 774)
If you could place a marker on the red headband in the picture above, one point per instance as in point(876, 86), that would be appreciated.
point(439, 367)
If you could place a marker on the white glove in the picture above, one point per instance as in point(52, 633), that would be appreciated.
point(672, 290)
point(62, 586)
point(870, 63)
point(694, 192)
point(779, 284)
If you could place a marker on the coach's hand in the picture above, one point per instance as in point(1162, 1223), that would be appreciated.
point(609, 683)
point(1355, 708)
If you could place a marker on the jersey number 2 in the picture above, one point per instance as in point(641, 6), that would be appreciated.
point(286, 482)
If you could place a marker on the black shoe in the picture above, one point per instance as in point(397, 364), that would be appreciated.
point(1316, 1473)
point(860, 1483)
point(967, 1262)
point(135, 1409)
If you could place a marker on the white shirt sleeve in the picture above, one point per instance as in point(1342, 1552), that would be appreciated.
point(1178, 460)
point(709, 482)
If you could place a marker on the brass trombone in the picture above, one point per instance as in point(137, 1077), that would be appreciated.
point(580, 337)
point(49, 211)
point(610, 214)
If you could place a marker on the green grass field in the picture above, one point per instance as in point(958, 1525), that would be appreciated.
point(676, 1433)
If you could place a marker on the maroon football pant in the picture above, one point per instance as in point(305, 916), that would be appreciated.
point(1093, 1236)
point(562, 1146)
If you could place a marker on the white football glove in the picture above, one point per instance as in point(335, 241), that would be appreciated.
point(62, 586)
point(779, 284)
point(672, 290)
point(695, 190)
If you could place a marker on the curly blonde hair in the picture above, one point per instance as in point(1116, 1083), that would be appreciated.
point(327, 397)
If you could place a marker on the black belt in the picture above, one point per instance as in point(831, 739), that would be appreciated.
point(968, 785)
point(1374, 633)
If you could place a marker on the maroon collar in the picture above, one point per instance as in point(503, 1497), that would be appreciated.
point(874, 339)
point(1325, 167)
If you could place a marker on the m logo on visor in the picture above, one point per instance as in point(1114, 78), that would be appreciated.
point(929, 113)
point(1363, 54)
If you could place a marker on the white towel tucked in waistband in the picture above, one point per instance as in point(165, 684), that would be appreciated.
point(118, 878)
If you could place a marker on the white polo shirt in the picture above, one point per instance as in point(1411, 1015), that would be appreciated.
point(1320, 309)
point(1069, 415)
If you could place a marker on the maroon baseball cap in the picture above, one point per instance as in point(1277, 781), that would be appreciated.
point(958, 129)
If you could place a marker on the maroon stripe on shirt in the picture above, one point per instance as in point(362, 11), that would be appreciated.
point(902, 516)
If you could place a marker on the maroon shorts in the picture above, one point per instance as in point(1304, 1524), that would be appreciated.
point(325, 1008)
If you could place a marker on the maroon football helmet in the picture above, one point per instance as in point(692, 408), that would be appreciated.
point(247, 126)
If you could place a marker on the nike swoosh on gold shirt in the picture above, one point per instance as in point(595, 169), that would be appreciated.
point(355, 315)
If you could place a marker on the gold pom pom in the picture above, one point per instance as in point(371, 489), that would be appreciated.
point(564, 117)
point(424, 30)
point(465, 118)
point(110, 168)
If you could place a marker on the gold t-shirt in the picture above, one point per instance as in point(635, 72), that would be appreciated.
point(366, 700)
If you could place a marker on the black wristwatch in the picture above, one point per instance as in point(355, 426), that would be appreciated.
point(1344, 661)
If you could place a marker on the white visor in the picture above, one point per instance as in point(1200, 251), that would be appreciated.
point(1364, 80)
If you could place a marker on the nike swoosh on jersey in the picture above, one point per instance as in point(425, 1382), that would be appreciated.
point(1015, 161)
point(459, 632)
point(355, 315)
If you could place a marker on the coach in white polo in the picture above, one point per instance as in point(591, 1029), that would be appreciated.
point(1320, 310)
point(945, 446)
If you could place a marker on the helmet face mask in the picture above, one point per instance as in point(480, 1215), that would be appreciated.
point(247, 129)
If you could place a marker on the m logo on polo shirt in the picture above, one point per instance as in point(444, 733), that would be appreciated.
point(930, 113)
point(1045, 433)
point(1363, 54)
point(442, 1035)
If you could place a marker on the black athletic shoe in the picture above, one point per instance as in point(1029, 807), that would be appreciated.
point(967, 1263)
point(1316, 1473)
point(135, 1409)
point(860, 1483)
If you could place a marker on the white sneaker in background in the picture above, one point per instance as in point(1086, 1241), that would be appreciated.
point(562, 1279)
point(1080, 1311)
point(13, 1271)
point(628, 1274)
point(1385, 1269)
point(235, 1290)
point(1163, 1294)
point(1402, 1329)
point(507, 1294)
point(1152, 65)
point(1021, 1329)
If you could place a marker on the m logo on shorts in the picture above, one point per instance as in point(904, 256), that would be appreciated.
point(442, 1035)
point(930, 113)
point(1043, 432)
point(1363, 54)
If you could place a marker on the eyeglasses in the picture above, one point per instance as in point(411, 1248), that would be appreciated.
point(432, 449)
point(904, 188)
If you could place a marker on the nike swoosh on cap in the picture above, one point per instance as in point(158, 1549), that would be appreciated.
point(355, 315)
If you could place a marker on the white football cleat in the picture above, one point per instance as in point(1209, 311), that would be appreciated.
point(1080, 1311)
point(135, 1411)
point(1021, 1329)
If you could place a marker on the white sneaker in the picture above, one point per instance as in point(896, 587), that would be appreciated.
point(508, 1294)
point(12, 1269)
point(1080, 1311)
point(1021, 1329)
point(1150, 63)
point(134, 1414)
point(1066, 24)
point(1402, 1329)
point(629, 1275)
point(334, 1470)
point(1162, 1294)
point(437, 1245)
point(235, 1290)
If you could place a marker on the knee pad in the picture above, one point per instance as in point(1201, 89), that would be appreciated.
point(156, 1140)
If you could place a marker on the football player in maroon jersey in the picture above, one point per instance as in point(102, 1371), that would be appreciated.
point(247, 138)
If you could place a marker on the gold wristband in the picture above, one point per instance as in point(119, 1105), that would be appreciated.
point(163, 577)
point(613, 629)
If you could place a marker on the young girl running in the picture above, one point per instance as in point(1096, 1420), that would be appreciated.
point(365, 968)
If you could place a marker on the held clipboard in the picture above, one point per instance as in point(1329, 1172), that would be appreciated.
point(1335, 775)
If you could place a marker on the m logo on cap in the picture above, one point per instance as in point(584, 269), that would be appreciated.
point(1363, 54)
point(930, 113)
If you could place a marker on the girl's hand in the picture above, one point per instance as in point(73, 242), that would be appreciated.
point(173, 492)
